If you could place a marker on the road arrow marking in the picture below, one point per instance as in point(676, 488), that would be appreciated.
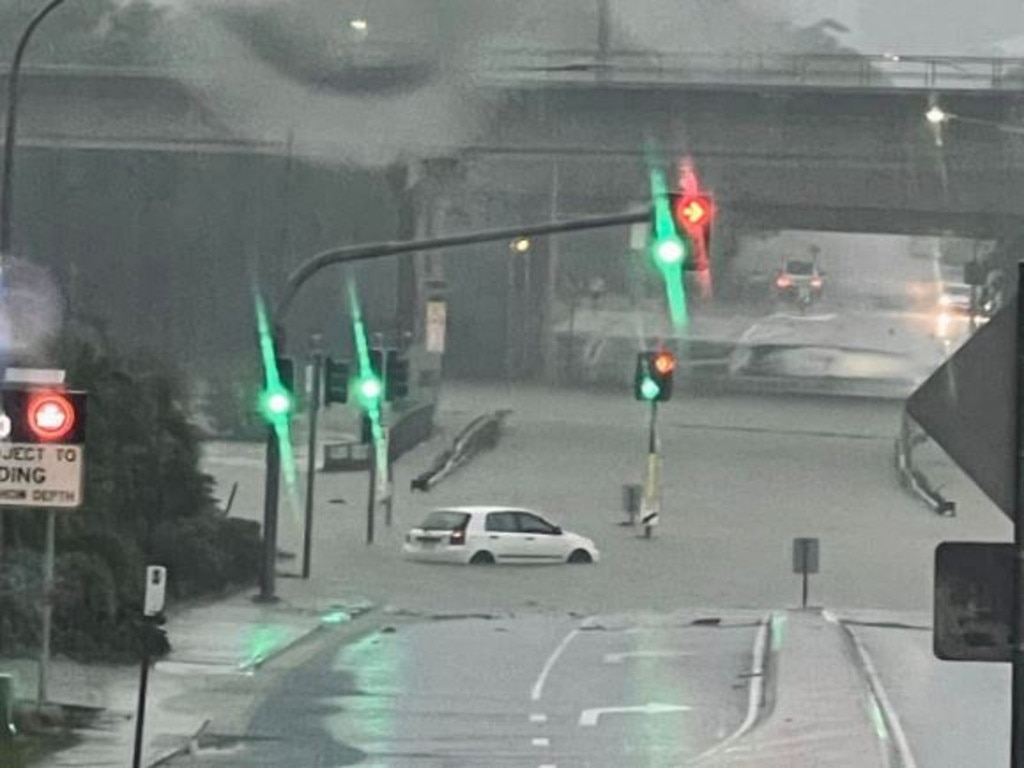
point(589, 717)
point(617, 658)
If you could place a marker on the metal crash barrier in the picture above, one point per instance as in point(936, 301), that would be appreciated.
point(482, 433)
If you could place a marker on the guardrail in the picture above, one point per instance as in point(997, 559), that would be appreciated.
point(480, 434)
point(764, 68)
point(911, 478)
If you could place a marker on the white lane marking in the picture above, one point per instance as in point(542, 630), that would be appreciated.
point(755, 691)
point(889, 711)
point(541, 741)
point(617, 658)
point(549, 765)
point(538, 687)
point(538, 717)
point(589, 717)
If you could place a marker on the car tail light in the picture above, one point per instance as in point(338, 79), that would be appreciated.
point(816, 282)
point(783, 281)
point(457, 537)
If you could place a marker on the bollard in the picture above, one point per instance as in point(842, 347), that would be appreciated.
point(7, 729)
point(631, 499)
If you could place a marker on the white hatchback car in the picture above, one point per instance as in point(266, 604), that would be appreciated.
point(488, 535)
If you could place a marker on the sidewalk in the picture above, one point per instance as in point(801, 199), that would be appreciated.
point(231, 637)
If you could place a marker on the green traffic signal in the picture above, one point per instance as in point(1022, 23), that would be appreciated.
point(669, 250)
point(276, 404)
point(649, 389)
point(370, 388)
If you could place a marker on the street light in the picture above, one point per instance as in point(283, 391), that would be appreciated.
point(937, 115)
point(6, 182)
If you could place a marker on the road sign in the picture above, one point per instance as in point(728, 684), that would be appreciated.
point(41, 475)
point(437, 320)
point(805, 555)
point(973, 601)
point(967, 406)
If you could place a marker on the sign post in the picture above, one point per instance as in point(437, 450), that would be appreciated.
point(1017, 685)
point(156, 586)
point(42, 432)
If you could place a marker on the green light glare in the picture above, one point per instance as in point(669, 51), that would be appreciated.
point(275, 394)
point(669, 249)
point(370, 401)
point(370, 388)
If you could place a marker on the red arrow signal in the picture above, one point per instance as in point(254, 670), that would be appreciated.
point(694, 210)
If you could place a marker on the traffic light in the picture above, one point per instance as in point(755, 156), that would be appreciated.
point(42, 416)
point(371, 382)
point(653, 379)
point(693, 215)
point(396, 376)
point(335, 381)
point(278, 399)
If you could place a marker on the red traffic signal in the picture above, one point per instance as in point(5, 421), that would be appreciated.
point(693, 211)
point(51, 416)
point(664, 363)
point(42, 415)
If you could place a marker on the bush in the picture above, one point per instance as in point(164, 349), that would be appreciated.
point(242, 543)
point(189, 550)
point(146, 501)
point(20, 588)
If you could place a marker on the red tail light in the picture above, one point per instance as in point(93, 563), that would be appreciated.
point(816, 282)
point(457, 537)
point(783, 281)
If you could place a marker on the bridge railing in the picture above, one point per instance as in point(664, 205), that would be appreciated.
point(779, 69)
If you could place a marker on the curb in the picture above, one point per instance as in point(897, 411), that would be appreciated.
point(899, 748)
point(191, 744)
point(763, 681)
point(179, 751)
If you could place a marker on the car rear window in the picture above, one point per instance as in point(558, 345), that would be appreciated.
point(444, 520)
point(800, 267)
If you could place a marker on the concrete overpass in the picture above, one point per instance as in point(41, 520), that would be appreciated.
point(141, 187)
point(816, 142)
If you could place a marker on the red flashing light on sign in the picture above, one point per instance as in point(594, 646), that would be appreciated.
point(50, 416)
point(664, 363)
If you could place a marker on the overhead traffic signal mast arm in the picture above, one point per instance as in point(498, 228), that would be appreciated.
point(356, 253)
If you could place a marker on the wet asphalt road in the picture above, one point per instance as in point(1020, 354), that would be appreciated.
point(532, 691)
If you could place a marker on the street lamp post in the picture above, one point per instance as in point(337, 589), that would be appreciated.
point(10, 134)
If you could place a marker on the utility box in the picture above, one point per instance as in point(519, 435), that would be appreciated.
point(632, 498)
point(156, 589)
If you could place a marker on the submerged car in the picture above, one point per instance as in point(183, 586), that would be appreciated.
point(489, 535)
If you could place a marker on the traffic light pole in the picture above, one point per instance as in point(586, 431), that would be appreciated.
point(314, 413)
point(271, 489)
point(356, 253)
point(371, 494)
point(651, 491)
